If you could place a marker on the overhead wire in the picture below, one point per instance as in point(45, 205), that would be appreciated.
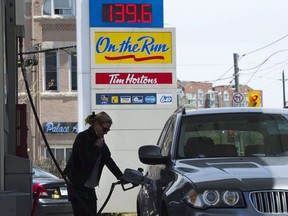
point(265, 46)
point(261, 64)
point(221, 77)
point(263, 78)
point(271, 84)
point(267, 68)
point(256, 67)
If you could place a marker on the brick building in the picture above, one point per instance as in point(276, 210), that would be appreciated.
point(49, 25)
point(205, 95)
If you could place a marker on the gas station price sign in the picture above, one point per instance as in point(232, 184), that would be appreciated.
point(126, 13)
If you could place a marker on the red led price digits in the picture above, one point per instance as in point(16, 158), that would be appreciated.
point(130, 13)
point(146, 13)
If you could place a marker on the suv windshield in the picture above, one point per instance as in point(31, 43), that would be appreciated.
point(233, 135)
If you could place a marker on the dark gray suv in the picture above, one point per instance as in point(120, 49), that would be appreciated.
point(223, 161)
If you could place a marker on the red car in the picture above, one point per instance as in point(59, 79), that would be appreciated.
point(49, 195)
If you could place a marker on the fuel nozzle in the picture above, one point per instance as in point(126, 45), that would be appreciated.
point(131, 176)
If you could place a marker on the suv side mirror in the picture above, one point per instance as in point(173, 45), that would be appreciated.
point(151, 154)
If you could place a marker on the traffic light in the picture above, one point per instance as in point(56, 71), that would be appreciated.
point(254, 99)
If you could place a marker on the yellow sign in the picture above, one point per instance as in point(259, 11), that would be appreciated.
point(132, 48)
point(254, 99)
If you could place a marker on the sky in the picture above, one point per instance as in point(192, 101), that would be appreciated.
point(209, 32)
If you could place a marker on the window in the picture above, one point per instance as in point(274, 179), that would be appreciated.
point(163, 133)
point(226, 96)
point(226, 99)
point(211, 94)
point(212, 98)
point(192, 102)
point(59, 153)
point(51, 71)
point(191, 99)
point(263, 134)
point(73, 66)
point(68, 153)
point(59, 7)
point(200, 98)
point(167, 141)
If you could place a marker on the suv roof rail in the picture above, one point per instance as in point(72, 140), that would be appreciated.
point(181, 109)
point(184, 110)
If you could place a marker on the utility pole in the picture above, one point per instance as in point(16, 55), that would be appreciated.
point(284, 97)
point(236, 71)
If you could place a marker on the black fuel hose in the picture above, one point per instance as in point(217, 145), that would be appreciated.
point(108, 197)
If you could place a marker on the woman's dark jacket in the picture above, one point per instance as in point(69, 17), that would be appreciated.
point(84, 156)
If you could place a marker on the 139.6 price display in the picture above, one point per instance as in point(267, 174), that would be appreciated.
point(127, 13)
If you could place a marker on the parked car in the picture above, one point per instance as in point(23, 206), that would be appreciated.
point(49, 195)
point(222, 161)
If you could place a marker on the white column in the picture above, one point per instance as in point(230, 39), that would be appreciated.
point(83, 61)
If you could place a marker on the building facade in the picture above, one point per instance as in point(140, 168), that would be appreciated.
point(204, 95)
point(50, 39)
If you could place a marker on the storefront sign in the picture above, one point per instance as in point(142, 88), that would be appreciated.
point(60, 127)
point(133, 78)
point(133, 99)
point(132, 48)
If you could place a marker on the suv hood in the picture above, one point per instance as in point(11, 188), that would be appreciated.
point(251, 173)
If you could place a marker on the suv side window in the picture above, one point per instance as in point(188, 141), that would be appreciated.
point(163, 133)
point(166, 137)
